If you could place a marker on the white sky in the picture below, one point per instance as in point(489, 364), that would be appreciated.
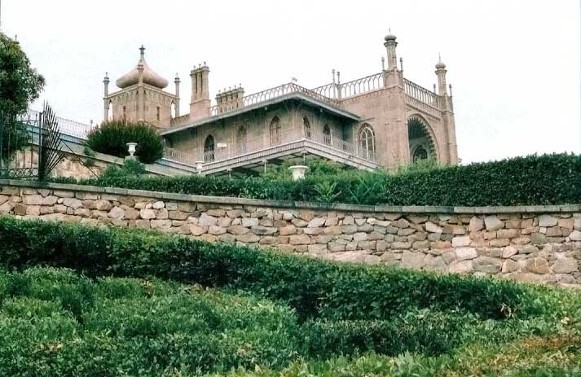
point(514, 65)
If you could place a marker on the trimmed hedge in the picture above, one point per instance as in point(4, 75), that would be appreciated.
point(532, 180)
point(316, 289)
point(111, 137)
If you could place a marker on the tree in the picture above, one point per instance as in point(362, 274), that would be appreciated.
point(20, 84)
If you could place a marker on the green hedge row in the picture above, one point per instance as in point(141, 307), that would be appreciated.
point(316, 289)
point(531, 180)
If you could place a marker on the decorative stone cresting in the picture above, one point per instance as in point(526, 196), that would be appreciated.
point(540, 244)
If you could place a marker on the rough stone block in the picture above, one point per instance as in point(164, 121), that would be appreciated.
point(406, 232)
point(547, 220)
point(72, 203)
point(466, 253)
point(162, 214)
point(334, 230)
point(401, 245)
point(34, 200)
point(263, 230)
point(509, 251)
point(554, 231)
point(507, 233)
point(461, 241)
point(565, 266)
point(509, 266)
point(299, 239)
point(206, 220)
point(412, 259)
point(147, 214)
point(461, 267)
point(493, 223)
point(575, 235)
point(248, 238)
point(196, 230)
point(487, 265)
point(336, 246)
point(116, 213)
point(499, 242)
point(161, 224)
point(537, 266)
point(433, 228)
point(216, 230)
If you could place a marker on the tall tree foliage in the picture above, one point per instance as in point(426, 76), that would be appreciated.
point(20, 84)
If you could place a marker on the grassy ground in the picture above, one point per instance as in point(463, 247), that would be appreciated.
point(54, 322)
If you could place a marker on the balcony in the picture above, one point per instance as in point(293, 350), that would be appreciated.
point(227, 159)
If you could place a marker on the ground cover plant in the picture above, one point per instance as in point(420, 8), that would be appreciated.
point(531, 180)
point(227, 310)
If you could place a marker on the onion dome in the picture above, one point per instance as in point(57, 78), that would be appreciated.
point(440, 65)
point(149, 76)
point(390, 37)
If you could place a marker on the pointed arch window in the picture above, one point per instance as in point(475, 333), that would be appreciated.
point(241, 140)
point(275, 131)
point(209, 149)
point(366, 142)
point(307, 127)
point(327, 135)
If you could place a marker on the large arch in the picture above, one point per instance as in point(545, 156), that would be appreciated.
point(421, 140)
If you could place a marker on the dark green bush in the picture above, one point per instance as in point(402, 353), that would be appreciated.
point(314, 288)
point(426, 332)
point(532, 180)
point(112, 138)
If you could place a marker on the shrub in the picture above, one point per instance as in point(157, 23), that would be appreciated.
point(532, 180)
point(314, 288)
point(112, 138)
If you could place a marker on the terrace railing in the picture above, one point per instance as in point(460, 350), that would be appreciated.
point(270, 94)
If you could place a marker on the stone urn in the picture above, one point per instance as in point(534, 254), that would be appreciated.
point(131, 150)
point(298, 171)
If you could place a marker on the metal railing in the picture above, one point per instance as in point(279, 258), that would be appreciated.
point(269, 94)
point(352, 88)
point(421, 94)
point(233, 155)
point(65, 126)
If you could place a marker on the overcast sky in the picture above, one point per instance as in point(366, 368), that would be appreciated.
point(514, 64)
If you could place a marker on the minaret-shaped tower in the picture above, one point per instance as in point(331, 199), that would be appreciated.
point(200, 103)
point(141, 97)
point(177, 103)
point(392, 76)
point(445, 104)
point(106, 101)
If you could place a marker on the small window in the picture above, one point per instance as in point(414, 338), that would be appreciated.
point(158, 114)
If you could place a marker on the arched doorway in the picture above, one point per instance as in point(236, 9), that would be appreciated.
point(275, 131)
point(327, 135)
point(209, 149)
point(241, 136)
point(307, 128)
point(420, 140)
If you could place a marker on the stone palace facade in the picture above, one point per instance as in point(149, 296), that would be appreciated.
point(380, 121)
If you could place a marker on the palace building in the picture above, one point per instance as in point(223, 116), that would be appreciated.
point(380, 121)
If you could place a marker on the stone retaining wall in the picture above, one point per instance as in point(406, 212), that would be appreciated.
point(540, 243)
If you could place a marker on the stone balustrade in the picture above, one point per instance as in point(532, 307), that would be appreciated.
point(540, 243)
